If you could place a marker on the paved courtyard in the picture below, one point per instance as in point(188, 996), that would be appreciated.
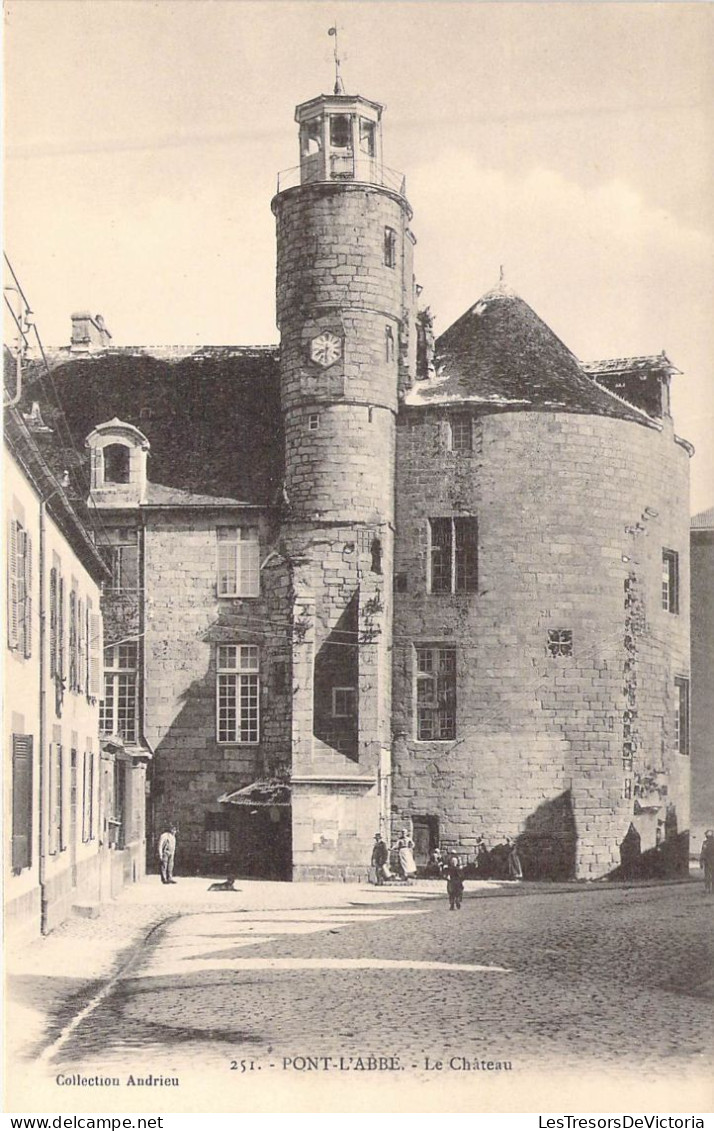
point(329, 979)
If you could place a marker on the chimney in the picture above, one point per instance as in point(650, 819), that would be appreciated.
point(425, 370)
point(88, 333)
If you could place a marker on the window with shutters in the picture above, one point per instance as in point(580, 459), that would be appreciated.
point(57, 837)
point(88, 797)
point(54, 622)
point(73, 639)
point(118, 710)
point(238, 561)
point(81, 645)
point(237, 688)
point(19, 585)
point(95, 652)
point(21, 801)
point(435, 692)
point(453, 555)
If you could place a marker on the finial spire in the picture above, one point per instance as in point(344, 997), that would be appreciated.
point(339, 85)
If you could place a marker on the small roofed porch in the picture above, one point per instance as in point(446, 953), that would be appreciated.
point(260, 829)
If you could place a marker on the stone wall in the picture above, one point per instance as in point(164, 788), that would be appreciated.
point(543, 741)
point(702, 543)
point(185, 622)
point(338, 422)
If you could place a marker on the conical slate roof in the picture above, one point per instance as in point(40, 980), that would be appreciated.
point(501, 354)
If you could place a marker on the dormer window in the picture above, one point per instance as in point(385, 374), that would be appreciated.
point(116, 463)
point(118, 453)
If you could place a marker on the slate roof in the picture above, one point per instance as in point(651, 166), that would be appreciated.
point(704, 520)
point(69, 514)
point(160, 496)
point(211, 414)
point(643, 364)
point(500, 355)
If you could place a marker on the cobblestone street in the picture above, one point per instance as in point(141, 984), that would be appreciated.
point(545, 980)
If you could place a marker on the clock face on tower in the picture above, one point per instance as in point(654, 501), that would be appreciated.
point(326, 349)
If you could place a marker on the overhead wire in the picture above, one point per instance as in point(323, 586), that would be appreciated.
point(92, 510)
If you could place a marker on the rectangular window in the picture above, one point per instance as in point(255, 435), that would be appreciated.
point(21, 801)
point(390, 247)
point(19, 589)
point(313, 421)
point(435, 692)
point(118, 710)
point(461, 433)
point(123, 554)
point(237, 693)
point(681, 715)
point(238, 561)
point(388, 343)
point(453, 555)
point(344, 702)
point(217, 837)
point(670, 581)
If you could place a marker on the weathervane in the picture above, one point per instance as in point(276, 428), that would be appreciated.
point(339, 85)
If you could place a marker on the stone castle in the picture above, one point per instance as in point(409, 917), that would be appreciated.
point(369, 581)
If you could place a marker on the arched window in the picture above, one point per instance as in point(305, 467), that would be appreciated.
point(116, 463)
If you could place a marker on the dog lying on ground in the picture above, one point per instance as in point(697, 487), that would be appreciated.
point(226, 885)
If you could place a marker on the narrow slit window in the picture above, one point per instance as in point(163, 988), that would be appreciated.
point(390, 247)
point(670, 581)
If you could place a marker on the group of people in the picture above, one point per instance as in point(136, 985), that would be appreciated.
point(406, 866)
point(405, 863)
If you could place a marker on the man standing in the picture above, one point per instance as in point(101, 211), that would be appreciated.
point(167, 851)
point(706, 860)
point(380, 856)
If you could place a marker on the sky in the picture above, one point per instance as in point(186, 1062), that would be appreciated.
point(570, 143)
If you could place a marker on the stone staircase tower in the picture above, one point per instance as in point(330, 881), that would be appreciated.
point(345, 311)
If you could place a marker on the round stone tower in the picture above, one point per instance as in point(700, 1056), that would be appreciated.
point(345, 311)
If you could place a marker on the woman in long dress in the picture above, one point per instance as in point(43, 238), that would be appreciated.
point(405, 850)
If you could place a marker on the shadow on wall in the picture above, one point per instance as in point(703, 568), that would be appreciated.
point(336, 684)
point(548, 841)
point(546, 847)
point(667, 860)
point(189, 773)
